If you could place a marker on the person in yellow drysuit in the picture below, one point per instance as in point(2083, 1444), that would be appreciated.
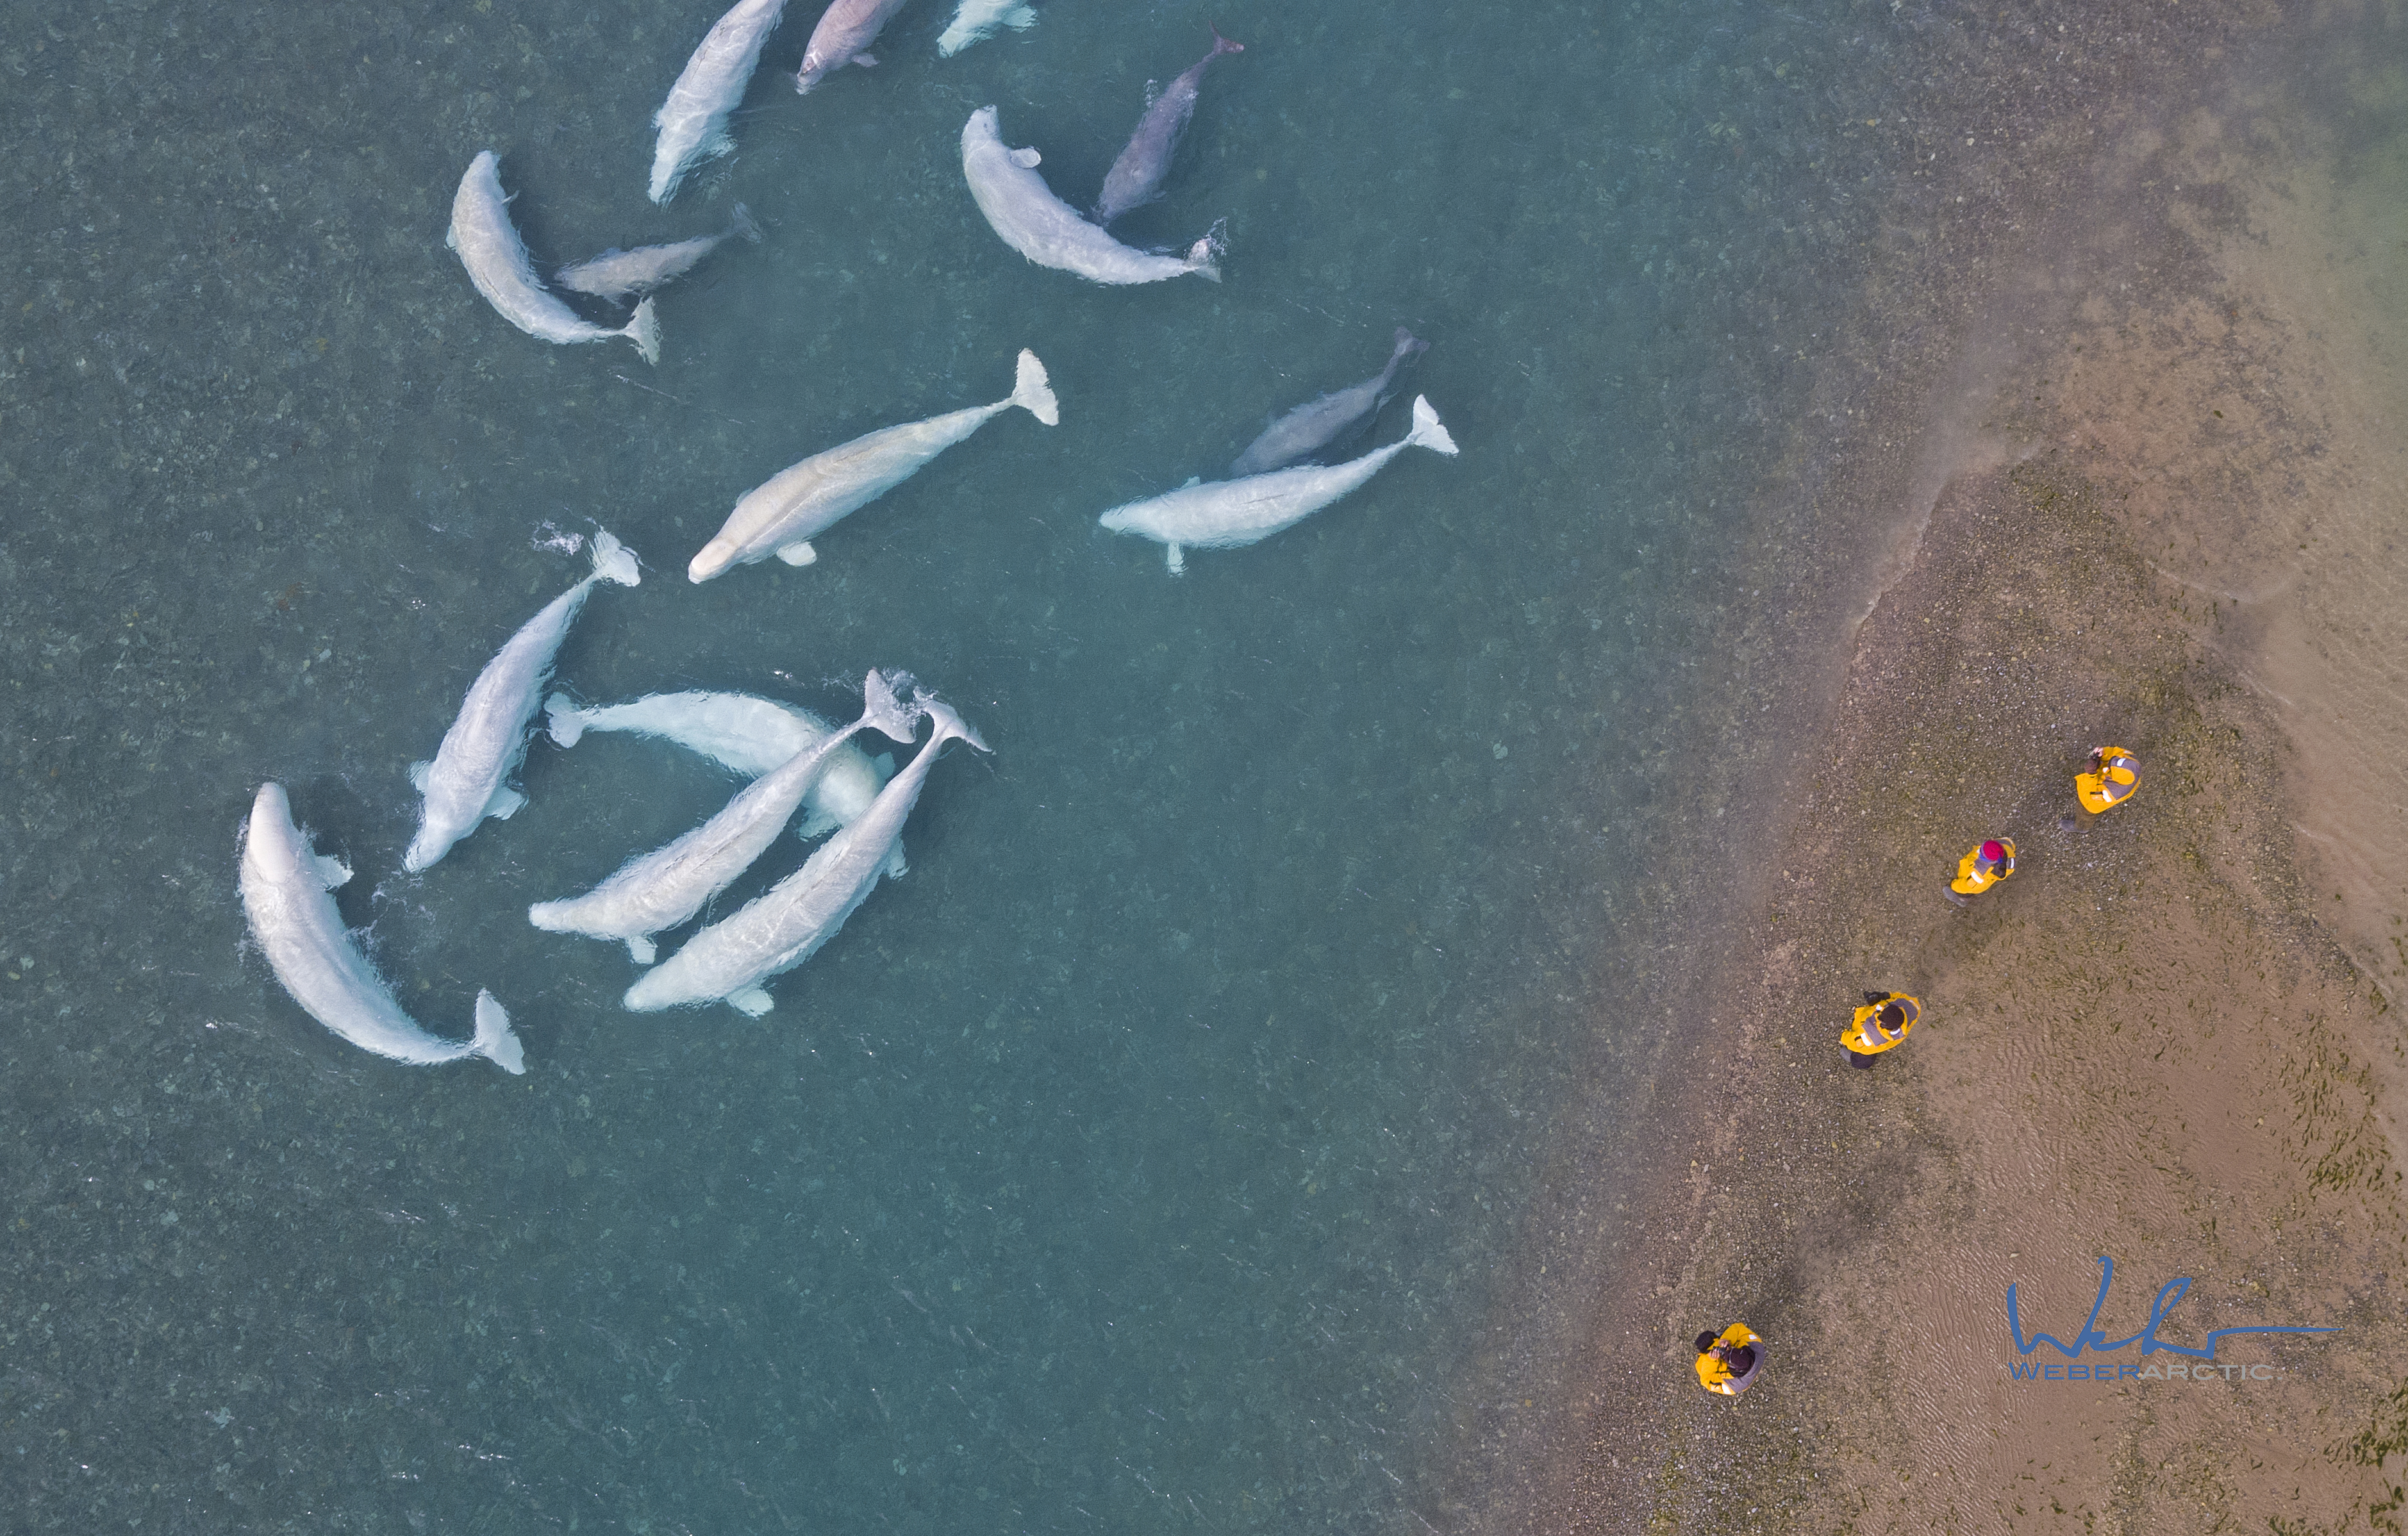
point(2115, 773)
point(1729, 1364)
point(1986, 866)
point(1885, 1020)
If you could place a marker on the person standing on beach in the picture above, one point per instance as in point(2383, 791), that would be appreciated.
point(2115, 773)
point(1885, 1020)
point(1729, 1364)
point(1986, 866)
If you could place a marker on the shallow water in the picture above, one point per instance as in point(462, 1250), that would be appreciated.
point(1151, 1155)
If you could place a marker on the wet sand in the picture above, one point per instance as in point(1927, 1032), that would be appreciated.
point(2171, 522)
point(2169, 1039)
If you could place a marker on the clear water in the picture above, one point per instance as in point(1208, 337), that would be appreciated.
point(1156, 1153)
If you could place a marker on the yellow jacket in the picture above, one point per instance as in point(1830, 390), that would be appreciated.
point(1713, 1371)
point(2118, 775)
point(1867, 1035)
point(1976, 874)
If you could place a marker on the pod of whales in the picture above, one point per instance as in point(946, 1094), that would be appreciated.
point(798, 762)
point(781, 928)
point(743, 734)
point(665, 887)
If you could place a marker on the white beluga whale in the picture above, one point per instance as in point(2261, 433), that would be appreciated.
point(781, 928)
point(976, 19)
point(621, 275)
point(1022, 210)
point(284, 888)
point(664, 887)
point(466, 781)
point(1304, 431)
point(743, 734)
point(1228, 513)
point(692, 122)
point(780, 516)
point(496, 260)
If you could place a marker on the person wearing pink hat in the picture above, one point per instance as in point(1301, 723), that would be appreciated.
point(1986, 866)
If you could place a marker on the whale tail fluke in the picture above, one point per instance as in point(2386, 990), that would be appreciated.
point(1429, 431)
point(744, 226)
point(645, 331)
point(495, 1041)
point(615, 561)
point(949, 725)
point(1031, 393)
point(1204, 256)
point(882, 712)
point(563, 719)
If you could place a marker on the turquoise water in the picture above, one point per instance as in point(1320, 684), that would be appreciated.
point(1157, 1153)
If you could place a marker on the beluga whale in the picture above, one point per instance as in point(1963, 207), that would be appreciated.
point(976, 19)
point(1136, 175)
point(466, 781)
point(743, 734)
point(1229, 513)
point(665, 887)
point(285, 887)
point(1304, 431)
point(692, 122)
point(1022, 210)
point(620, 274)
point(780, 516)
point(496, 260)
point(781, 928)
point(846, 30)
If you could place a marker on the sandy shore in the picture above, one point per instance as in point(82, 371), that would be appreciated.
point(2176, 523)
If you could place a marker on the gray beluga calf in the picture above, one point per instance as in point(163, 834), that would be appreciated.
point(781, 514)
point(1317, 423)
point(1136, 176)
point(284, 888)
point(846, 30)
point(496, 260)
point(692, 122)
point(741, 732)
point(1024, 211)
point(978, 19)
point(617, 275)
point(465, 782)
point(665, 887)
point(781, 928)
point(1228, 513)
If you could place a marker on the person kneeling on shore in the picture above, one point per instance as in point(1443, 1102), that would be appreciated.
point(2115, 773)
point(1729, 1364)
point(1986, 866)
point(1885, 1020)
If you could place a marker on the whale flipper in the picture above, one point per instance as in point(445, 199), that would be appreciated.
point(505, 803)
point(418, 776)
point(752, 1002)
point(333, 871)
point(1177, 558)
point(640, 950)
point(798, 553)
